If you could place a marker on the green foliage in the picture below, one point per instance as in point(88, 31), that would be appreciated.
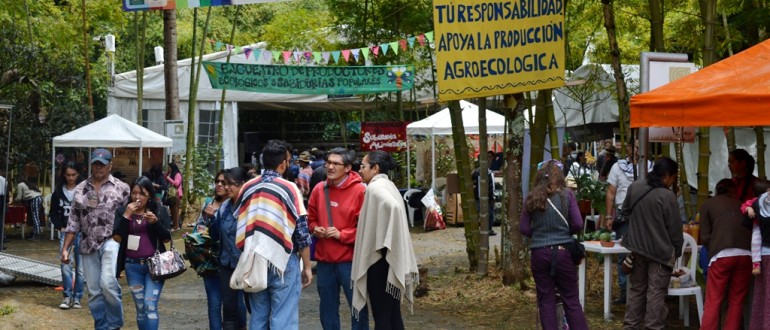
point(203, 168)
point(593, 190)
point(7, 310)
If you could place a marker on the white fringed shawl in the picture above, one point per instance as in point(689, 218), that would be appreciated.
point(383, 225)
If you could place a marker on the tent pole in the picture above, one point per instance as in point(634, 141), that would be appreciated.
point(141, 158)
point(408, 165)
point(433, 160)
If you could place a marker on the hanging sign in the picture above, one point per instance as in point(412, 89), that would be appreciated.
point(489, 48)
point(134, 5)
point(386, 136)
point(331, 80)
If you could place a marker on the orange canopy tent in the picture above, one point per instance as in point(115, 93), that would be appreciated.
point(731, 92)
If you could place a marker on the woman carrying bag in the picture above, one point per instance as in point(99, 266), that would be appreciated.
point(549, 218)
point(141, 228)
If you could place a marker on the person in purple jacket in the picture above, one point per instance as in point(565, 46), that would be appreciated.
point(549, 217)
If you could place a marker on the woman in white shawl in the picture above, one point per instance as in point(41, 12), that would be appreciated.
point(384, 265)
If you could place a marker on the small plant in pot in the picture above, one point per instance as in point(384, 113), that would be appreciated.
point(605, 239)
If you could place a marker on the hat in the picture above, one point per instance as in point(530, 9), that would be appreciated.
point(304, 157)
point(101, 155)
point(610, 149)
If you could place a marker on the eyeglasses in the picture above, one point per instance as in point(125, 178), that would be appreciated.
point(334, 164)
point(545, 163)
point(222, 182)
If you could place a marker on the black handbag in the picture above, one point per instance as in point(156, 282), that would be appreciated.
point(576, 249)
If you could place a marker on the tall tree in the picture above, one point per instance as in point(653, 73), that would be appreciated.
point(482, 189)
point(708, 10)
point(169, 65)
point(463, 169)
point(620, 82)
point(512, 243)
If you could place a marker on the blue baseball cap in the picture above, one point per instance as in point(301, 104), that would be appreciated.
point(101, 155)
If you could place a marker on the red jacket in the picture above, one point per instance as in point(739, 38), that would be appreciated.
point(345, 200)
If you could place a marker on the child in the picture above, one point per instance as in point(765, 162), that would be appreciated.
point(761, 188)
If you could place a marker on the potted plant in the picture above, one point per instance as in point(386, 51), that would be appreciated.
point(591, 194)
point(605, 239)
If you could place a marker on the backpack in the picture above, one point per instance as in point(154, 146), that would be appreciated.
point(202, 252)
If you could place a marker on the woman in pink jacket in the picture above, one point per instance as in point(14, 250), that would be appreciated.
point(174, 178)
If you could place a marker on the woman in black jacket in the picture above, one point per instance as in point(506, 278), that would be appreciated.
point(61, 202)
point(141, 228)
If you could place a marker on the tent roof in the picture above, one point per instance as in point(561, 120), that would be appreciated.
point(440, 123)
point(731, 92)
point(112, 131)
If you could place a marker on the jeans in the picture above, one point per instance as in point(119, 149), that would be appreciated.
point(329, 277)
point(233, 303)
point(564, 280)
point(277, 307)
point(104, 294)
point(146, 293)
point(214, 300)
point(386, 309)
point(35, 207)
point(622, 277)
point(72, 290)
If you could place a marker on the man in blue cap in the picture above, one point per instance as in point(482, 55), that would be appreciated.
point(93, 215)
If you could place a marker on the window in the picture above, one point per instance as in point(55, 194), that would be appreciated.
point(208, 126)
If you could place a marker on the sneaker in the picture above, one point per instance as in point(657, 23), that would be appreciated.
point(66, 303)
point(76, 304)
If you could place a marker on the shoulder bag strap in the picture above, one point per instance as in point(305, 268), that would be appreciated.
point(639, 200)
point(328, 205)
point(559, 212)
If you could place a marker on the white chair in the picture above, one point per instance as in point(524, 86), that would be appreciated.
point(410, 210)
point(684, 300)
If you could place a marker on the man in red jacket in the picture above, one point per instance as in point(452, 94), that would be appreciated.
point(333, 212)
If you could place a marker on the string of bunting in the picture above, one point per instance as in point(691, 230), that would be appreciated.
point(325, 57)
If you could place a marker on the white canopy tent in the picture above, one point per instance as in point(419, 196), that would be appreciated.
point(440, 123)
point(111, 132)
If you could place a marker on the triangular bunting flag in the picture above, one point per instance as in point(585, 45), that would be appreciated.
point(421, 39)
point(376, 50)
point(325, 55)
point(267, 55)
point(355, 54)
point(238, 50)
point(229, 48)
point(247, 52)
point(212, 42)
point(429, 36)
point(218, 46)
point(384, 49)
point(403, 44)
point(257, 54)
point(394, 47)
point(317, 57)
point(411, 42)
point(309, 57)
point(365, 50)
point(276, 55)
point(286, 57)
point(297, 56)
point(336, 56)
point(346, 55)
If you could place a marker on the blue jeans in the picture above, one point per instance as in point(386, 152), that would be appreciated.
point(146, 293)
point(104, 292)
point(277, 307)
point(72, 290)
point(329, 277)
point(214, 300)
point(233, 303)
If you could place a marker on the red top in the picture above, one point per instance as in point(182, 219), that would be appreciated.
point(345, 200)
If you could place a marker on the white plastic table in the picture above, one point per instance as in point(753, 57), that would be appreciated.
point(609, 261)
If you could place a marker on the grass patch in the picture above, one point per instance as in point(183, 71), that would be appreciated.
point(7, 310)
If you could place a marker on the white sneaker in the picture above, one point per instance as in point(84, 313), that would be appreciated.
point(65, 304)
point(76, 304)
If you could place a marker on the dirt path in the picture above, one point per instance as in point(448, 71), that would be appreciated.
point(28, 305)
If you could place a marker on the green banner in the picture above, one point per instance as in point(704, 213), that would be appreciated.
point(331, 80)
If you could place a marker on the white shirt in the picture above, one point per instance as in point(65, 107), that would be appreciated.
point(3, 185)
point(621, 178)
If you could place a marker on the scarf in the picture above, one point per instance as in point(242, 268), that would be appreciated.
point(267, 211)
point(383, 225)
point(628, 168)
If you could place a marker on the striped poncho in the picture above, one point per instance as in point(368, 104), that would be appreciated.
point(267, 211)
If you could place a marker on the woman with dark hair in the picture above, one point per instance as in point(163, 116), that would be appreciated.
point(141, 228)
point(174, 179)
point(207, 222)
point(384, 269)
point(158, 182)
point(549, 218)
point(233, 305)
point(655, 239)
point(741, 165)
point(61, 205)
point(28, 193)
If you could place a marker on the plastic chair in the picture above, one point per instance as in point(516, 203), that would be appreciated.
point(409, 209)
point(684, 302)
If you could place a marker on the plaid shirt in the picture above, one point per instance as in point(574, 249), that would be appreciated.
point(96, 224)
point(301, 236)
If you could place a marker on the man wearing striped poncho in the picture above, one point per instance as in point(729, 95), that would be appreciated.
point(272, 216)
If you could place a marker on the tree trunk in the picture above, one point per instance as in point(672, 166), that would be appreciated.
point(483, 191)
point(620, 83)
point(512, 242)
point(537, 133)
point(761, 147)
point(708, 10)
point(141, 33)
point(170, 66)
point(553, 135)
point(224, 91)
point(656, 24)
point(86, 60)
point(463, 170)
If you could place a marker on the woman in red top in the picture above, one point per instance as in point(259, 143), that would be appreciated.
point(174, 178)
